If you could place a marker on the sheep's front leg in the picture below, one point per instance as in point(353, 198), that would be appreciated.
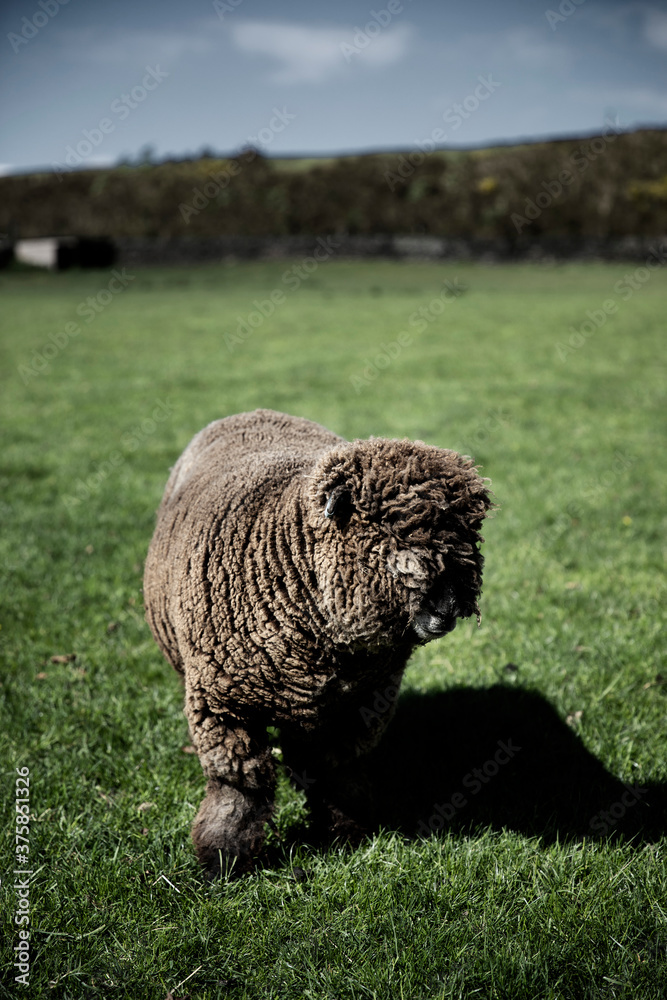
point(337, 790)
point(329, 764)
point(239, 793)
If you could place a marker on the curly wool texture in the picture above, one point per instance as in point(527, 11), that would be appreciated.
point(290, 575)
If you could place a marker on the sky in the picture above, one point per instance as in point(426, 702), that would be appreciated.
point(86, 82)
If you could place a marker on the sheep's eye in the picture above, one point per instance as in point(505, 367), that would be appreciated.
point(339, 504)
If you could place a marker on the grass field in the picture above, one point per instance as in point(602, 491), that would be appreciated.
point(550, 881)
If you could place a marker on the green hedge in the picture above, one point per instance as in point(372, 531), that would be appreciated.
point(610, 185)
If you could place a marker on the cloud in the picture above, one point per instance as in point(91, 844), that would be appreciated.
point(387, 48)
point(655, 28)
point(312, 55)
point(636, 21)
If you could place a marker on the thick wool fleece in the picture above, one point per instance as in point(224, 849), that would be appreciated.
point(290, 575)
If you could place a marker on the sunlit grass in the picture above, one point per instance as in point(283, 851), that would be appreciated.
point(500, 905)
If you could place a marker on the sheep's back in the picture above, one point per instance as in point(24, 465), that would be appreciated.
point(247, 447)
point(232, 470)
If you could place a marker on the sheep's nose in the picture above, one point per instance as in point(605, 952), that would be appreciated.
point(429, 626)
point(437, 615)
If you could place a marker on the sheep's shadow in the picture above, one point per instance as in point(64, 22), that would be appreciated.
point(502, 757)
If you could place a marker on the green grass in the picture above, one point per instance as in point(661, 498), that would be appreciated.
point(527, 892)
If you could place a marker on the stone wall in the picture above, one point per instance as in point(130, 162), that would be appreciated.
point(143, 251)
point(148, 251)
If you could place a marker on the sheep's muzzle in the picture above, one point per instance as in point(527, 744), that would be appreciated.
point(437, 616)
point(428, 626)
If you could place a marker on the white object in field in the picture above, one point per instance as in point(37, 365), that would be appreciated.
point(39, 253)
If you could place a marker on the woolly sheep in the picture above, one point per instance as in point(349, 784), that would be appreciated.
point(290, 576)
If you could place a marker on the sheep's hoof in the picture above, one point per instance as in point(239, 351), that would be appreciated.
point(222, 864)
point(330, 823)
point(344, 828)
point(228, 831)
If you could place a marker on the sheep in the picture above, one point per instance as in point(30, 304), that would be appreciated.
point(290, 576)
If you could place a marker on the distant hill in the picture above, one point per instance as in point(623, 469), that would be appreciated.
point(610, 185)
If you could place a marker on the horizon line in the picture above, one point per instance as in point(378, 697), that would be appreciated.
point(341, 154)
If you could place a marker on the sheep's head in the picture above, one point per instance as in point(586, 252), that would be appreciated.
point(396, 525)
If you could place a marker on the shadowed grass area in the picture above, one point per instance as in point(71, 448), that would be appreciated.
point(539, 873)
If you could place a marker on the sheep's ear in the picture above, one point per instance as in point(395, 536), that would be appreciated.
point(339, 503)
